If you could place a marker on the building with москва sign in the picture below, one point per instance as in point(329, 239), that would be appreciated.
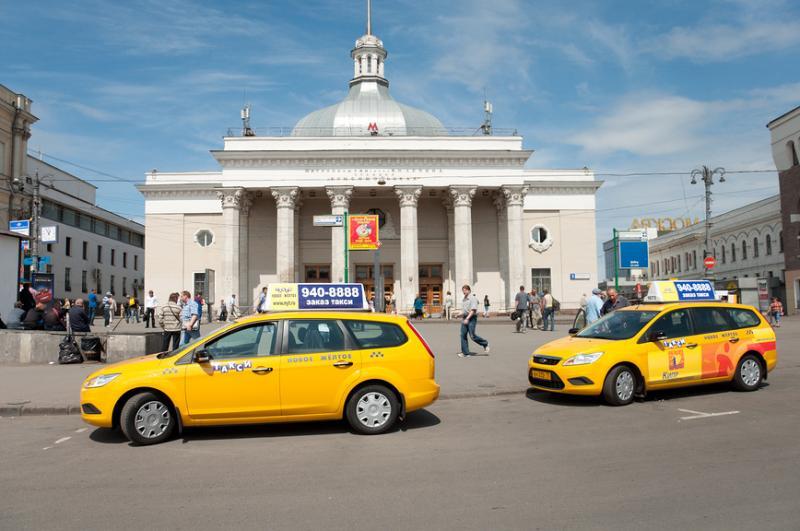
point(453, 209)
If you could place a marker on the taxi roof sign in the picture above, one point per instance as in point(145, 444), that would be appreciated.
point(290, 297)
point(680, 291)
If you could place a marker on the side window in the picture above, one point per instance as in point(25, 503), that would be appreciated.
point(710, 320)
point(256, 340)
point(743, 318)
point(370, 334)
point(674, 324)
point(314, 335)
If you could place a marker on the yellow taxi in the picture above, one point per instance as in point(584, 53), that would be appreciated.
point(680, 336)
point(284, 366)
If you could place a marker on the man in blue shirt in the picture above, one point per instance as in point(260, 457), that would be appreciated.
point(92, 305)
point(190, 319)
point(593, 307)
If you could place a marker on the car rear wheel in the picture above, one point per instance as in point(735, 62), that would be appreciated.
point(749, 374)
point(620, 386)
point(147, 418)
point(372, 410)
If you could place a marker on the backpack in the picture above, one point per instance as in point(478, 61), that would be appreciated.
point(556, 305)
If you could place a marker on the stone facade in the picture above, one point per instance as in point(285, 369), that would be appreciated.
point(15, 130)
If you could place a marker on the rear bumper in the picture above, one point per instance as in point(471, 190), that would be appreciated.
point(567, 380)
point(423, 394)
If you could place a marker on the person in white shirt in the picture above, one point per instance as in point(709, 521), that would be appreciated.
point(150, 303)
point(233, 308)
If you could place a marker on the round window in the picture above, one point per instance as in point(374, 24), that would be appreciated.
point(204, 237)
point(541, 240)
point(539, 234)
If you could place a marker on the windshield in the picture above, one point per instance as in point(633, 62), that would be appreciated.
point(170, 353)
point(618, 325)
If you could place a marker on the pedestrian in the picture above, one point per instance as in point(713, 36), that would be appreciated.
point(521, 309)
point(486, 306)
point(190, 319)
point(169, 320)
point(372, 303)
point(78, 318)
point(593, 307)
point(34, 318)
point(223, 311)
point(233, 308)
point(109, 306)
point(262, 301)
point(469, 308)
point(132, 310)
point(16, 316)
point(150, 304)
point(198, 298)
point(419, 305)
point(92, 305)
point(534, 309)
point(775, 312)
point(614, 302)
point(448, 306)
point(52, 319)
point(584, 302)
point(548, 311)
point(26, 297)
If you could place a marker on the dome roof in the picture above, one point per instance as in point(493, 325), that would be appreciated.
point(367, 103)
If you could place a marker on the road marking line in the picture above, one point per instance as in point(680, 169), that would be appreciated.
point(62, 439)
point(81, 430)
point(701, 415)
point(46, 447)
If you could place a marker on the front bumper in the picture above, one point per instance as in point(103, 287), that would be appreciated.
point(575, 380)
point(97, 407)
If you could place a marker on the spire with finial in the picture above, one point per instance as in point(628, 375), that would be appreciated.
point(368, 55)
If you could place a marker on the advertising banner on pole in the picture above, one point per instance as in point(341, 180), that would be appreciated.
point(362, 233)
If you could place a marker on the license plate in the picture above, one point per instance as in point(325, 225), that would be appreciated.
point(542, 375)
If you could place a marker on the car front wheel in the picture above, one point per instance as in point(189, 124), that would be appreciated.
point(372, 410)
point(147, 418)
point(620, 386)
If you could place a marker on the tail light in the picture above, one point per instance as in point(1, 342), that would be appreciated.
point(419, 336)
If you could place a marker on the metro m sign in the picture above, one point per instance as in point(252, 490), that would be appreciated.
point(373, 128)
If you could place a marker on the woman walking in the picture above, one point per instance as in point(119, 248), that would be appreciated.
point(775, 312)
point(486, 306)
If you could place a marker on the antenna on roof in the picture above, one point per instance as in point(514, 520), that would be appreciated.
point(246, 131)
point(369, 17)
point(486, 127)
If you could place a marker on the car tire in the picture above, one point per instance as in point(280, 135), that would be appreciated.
point(372, 410)
point(147, 418)
point(749, 373)
point(619, 387)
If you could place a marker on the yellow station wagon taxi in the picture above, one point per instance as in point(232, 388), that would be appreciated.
point(660, 345)
point(277, 367)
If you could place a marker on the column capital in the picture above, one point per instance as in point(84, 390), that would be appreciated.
point(462, 195)
point(230, 197)
point(499, 200)
point(514, 194)
point(339, 196)
point(285, 196)
point(246, 203)
point(408, 195)
point(447, 203)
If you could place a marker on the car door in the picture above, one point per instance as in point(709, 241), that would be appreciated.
point(317, 366)
point(242, 378)
point(676, 356)
point(720, 343)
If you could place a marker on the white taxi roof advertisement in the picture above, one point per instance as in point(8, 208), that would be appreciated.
point(288, 297)
point(680, 291)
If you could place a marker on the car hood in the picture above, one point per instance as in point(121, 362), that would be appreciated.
point(567, 346)
point(139, 362)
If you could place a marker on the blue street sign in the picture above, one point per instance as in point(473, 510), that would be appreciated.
point(27, 261)
point(44, 260)
point(633, 254)
point(20, 226)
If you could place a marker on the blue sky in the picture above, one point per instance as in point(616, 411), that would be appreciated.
point(619, 86)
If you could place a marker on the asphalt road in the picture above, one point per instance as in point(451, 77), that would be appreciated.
point(523, 461)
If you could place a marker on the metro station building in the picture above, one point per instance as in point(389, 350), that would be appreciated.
point(455, 208)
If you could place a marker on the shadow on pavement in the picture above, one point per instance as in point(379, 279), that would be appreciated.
point(694, 391)
point(415, 420)
point(555, 399)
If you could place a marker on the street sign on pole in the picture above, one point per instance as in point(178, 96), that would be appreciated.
point(328, 221)
point(20, 226)
point(633, 254)
point(709, 262)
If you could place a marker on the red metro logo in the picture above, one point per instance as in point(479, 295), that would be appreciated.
point(372, 128)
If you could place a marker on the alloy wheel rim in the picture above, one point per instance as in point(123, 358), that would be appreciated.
point(152, 419)
point(750, 372)
point(624, 385)
point(373, 410)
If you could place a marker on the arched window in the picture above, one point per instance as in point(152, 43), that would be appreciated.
point(360, 65)
point(780, 242)
point(369, 64)
point(769, 244)
point(744, 250)
point(733, 252)
point(723, 254)
point(755, 247)
point(792, 153)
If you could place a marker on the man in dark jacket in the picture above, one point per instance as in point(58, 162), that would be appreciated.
point(26, 297)
point(34, 318)
point(614, 302)
point(78, 320)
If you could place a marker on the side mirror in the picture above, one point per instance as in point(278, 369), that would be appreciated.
point(657, 335)
point(202, 356)
point(573, 331)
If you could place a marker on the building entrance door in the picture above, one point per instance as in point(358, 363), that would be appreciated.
point(318, 273)
point(430, 287)
point(364, 275)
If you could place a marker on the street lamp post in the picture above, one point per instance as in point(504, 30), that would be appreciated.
point(707, 176)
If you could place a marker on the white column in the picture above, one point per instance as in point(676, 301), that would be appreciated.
point(298, 204)
point(449, 282)
point(462, 221)
point(409, 245)
point(515, 197)
point(245, 293)
point(231, 201)
point(285, 197)
point(340, 203)
point(499, 200)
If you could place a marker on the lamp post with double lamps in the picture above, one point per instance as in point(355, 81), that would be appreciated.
point(706, 174)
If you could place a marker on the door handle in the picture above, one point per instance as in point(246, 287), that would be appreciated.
point(734, 340)
point(343, 364)
point(262, 370)
point(691, 345)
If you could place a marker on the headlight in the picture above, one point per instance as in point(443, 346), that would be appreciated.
point(584, 359)
point(100, 381)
